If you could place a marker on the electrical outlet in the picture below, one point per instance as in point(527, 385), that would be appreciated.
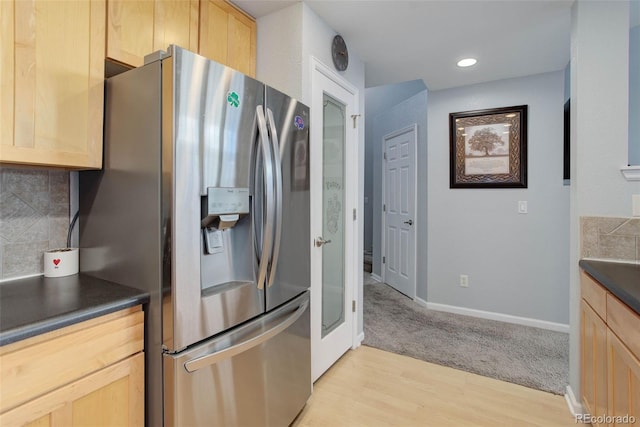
point(635, 204)
point(464, 280)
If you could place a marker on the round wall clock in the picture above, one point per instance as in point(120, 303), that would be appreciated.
point(339, 53)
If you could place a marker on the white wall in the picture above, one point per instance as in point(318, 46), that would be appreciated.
point(634, 94)
point(406, 113)
point(286, 41)
point(279, 50)
point(599, 127)
point(317, 39)
point(599, 78)
point(517, 263)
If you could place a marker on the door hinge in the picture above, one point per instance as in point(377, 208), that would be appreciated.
point(384, 155)
point(384, 259)
point(353, 306)
point(354, 214)
point(384, 207)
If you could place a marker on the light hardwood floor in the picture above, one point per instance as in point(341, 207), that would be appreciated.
point(371, 387)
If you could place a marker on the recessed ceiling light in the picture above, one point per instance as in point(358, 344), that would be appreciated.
point(467, 62)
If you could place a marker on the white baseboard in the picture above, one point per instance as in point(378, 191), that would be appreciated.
point(575, 407)
point(376, 278)
point(543, 324)
point(359, 340)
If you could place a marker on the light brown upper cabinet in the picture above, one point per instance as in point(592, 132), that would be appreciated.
point(136, 28)
point(228, 36)
point(51, 82)
point(52, 65)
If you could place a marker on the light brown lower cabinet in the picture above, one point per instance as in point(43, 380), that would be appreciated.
point(113, 396)
point(594, 362)
point(610, 364)
point(89, 374)
point(624, 383)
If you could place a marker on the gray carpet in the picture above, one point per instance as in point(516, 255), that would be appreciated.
point(532, 357)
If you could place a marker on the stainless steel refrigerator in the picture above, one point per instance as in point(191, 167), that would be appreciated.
point(203, 201)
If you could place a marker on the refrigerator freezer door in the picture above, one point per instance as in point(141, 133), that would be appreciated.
point(256, 375)
point(290, 272)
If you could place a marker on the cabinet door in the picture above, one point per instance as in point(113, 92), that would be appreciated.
point(624, 382)
point(176, 22)
point(139, 27)
point(228, 36)
point(593, 334)
point(7, 69)
point(113, 396)
point(129, 30)
point(52, 82)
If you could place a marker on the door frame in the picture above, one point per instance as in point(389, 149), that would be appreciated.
point(353, 259)
point(383, 243)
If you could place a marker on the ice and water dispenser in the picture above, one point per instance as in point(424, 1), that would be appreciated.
point(226, 256)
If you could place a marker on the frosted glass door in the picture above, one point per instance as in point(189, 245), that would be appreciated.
point(333, 289)
point(333, 171)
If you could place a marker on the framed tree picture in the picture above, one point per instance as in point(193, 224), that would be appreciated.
point(488, 148)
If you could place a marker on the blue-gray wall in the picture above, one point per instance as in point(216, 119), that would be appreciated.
point(518, 264)
point(406, 113)
point(567, 82)
point(377, 100)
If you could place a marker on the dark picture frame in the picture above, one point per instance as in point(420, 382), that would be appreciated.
point(488, 148)
point(566, 155)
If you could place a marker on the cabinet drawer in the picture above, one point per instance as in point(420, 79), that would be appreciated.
point(594, 294)
point(625, 323)
point(40, 365)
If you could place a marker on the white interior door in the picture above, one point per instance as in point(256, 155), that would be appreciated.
point(400, 210)
point(333, 197)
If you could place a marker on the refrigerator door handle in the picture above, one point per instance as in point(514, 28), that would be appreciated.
point(277, 165)
point(210, 359)
point(267, 238)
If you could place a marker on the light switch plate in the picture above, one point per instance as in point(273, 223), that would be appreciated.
point(522, 206)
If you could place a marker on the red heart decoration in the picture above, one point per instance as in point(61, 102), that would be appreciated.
point(56, 261)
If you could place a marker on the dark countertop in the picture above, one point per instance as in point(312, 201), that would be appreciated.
point(35, 305)
point(621, 279)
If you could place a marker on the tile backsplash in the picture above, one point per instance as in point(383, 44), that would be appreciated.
point(610, 238)
point(34, 217)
